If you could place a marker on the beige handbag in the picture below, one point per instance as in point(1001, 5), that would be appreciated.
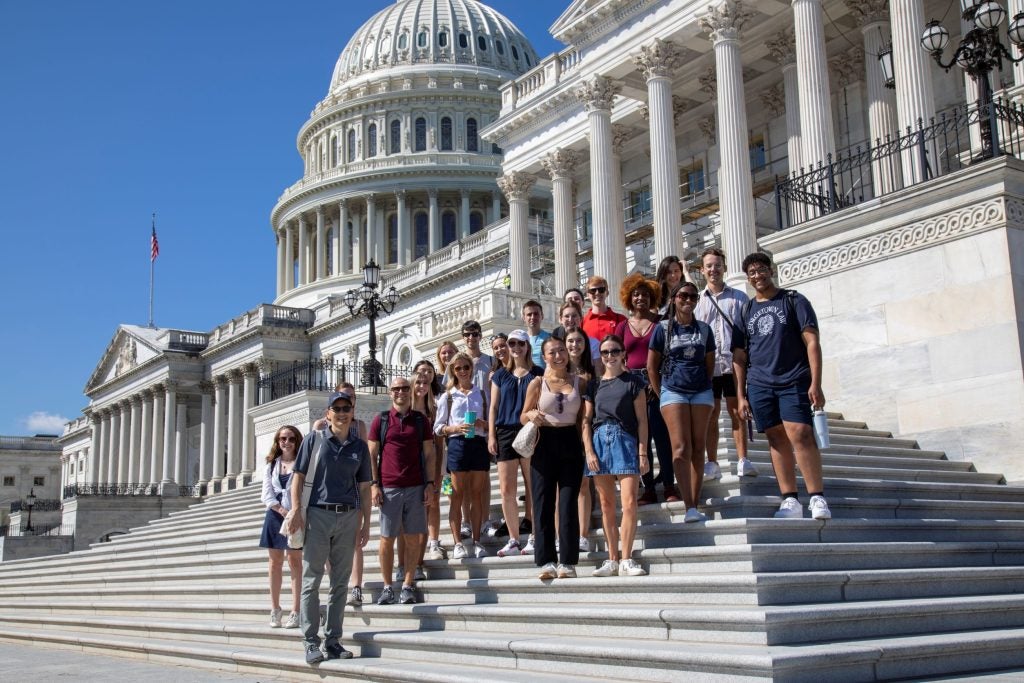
point(526, 440)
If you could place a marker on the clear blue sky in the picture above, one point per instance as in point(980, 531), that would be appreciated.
point(114, 109)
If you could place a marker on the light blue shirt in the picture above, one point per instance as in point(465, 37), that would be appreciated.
point(535, 344)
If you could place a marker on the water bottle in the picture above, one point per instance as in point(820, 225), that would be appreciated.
point(446, 485)
point(750, 429)
point(821, 428)
point(471, 421)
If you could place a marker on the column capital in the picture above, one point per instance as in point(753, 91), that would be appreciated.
point(620, 134)
point(869, 12)
point(709, 82)
point(135, 400)
point(724, 21)
point(707, 128)
point(560, 163)
point(516, 185)
point(234, 376)
point(782, 47)
point(774, 99)
point(370, 197)
point(320, 211)
point(219, 381)
point(250, 370)
point(679, 107)
point(597, 93)
point(171, 385)
point(848, 67)
point(206, 387)
point(432, 193)
point(95, 419)
point(464, 193)
point(400, 195)
point(343, 204)
point(658, 59)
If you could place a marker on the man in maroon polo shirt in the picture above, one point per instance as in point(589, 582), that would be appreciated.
point(600, 320)
point(401, 458)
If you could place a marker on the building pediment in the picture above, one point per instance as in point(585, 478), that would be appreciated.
point(579, 16)
point(130, 347)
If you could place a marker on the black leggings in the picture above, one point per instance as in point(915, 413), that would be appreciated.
point(556, 465)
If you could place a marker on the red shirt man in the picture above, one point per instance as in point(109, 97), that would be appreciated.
point(600, 320)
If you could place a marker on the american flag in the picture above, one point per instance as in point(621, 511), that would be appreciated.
point(154, 245)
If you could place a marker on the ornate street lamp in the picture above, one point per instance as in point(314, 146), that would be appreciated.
point(367, 301)
point(30, 502)
point(885, 62)
point(978, 53)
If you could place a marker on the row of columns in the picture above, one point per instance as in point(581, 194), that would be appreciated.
point(368, 237)
point(73, 467)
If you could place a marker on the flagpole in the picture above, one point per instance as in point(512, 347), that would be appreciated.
point(152, 262)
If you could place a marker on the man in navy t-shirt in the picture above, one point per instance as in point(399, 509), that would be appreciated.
point(782, 384)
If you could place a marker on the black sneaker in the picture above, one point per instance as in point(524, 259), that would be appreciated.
point(313, 654)
point(501, 531)
point(525, 527)
point(387, 596)
point(336, 651)
point(407, 596)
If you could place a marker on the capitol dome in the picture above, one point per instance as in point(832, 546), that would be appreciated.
point(433, 32)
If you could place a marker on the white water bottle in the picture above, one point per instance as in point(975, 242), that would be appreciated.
point(821, 428)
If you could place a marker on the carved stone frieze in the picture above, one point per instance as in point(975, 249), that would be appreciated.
point(724, 21)
point(869, 11)
point(560, 163)
point(597, 94)
point(516, 185)
point(659, 59)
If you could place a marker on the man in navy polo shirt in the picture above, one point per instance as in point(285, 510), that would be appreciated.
point(401, 455)
point(782, 382)
point(337, 518)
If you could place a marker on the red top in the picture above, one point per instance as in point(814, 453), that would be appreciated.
point(600, 325)
point(400, 463)
point(635, 347)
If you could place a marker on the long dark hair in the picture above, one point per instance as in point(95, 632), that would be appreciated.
point(662, 275)
point(435, 385)
point(586, 364)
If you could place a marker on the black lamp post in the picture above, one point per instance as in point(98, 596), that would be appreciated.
point(369, 302)
point(30, 502)
point(978, 53)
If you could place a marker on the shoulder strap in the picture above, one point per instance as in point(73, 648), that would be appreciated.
point(314, 460)
point(382, 430)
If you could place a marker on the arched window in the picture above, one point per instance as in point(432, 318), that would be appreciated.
point(495, 149)
point(393, 238)
point(526, 58)
point(481, 42)
point(448, 228)
point(476, 222)
point(463, 41)
point(442, 38)
point(371, 143)
point(446, 134)
point(421, 135)
point(396, 137)
point(403, 41)
point(421, 39)
point(515, 53)
point(500, 47)
point(351, 145)
point(422, 230)
point(472, 141)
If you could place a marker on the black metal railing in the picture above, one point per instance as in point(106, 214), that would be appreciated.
point(41, 505)
point(75, 490)
point(951, 141)
point(59, 529)
point(319, 375)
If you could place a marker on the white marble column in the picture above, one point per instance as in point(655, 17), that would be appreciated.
point(135, 445)
point(560, 165)
point(282, 263)
point(321, 244)
point(114, 437)
point(181, 445)
point(234, 430)
point(303, 252)
point(782, 49)
point(358, 243)
point(1015, 7)
point(817, 135)
point(124, 443)
point(404, 253)
point(735, 191)
point(609, 242)
point(96, 423)
point(156, 451)
point(433, 222)
point(913, 69)
point(373, 245)
point(219, 431)
point(657, 61)
point(341, 244)
point(170, 417)
point(249, 376)
point(289, 256)
point(205, 431)
point(146, 438)
point(516, 186)
point(464, 215)
point(495, 207)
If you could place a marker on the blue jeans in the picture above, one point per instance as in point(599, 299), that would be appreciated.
point(330, 536)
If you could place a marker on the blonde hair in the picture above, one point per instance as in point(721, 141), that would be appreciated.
point(453, 381)
point(440, 362)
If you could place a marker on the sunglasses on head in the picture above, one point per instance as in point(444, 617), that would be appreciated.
point(597, 290)
point(342, 409)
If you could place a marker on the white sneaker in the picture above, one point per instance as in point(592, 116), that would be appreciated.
point(460, 552)
point(791, 508)
point(746, 468)
point(712, 471)
point(293, 620)
point(465, 531)
point(434, 551)
point(528, 548)
point(631, 568)
point(511, 549)
point(548, 571)
point(275, 618)
point(819, 508)
point(609, 568)
point(566, 571)
point(694, 515)
point(478, 550)
point(584, 545)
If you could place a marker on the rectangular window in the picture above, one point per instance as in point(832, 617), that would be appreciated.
point(691, 180)
point(758, 158)
point(639, 204)
point(8, 481)
point(39, 481)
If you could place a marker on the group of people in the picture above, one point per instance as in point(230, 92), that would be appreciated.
point(602, 389)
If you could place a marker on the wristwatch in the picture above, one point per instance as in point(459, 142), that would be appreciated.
point(374, 483)
point(429, 481)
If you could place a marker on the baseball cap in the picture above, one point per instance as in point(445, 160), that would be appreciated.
point(519, 335)
point(339, 395)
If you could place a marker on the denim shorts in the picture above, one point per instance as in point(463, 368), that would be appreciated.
point(774, 405)
point(694, 398)
point(616, 451)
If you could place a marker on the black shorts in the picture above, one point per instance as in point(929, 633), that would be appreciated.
point(505, 436)
point(723, 385)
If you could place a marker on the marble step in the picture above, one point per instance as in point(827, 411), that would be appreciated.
point(862, 487)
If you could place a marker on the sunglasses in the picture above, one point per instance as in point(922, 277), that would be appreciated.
point(400, 390)
point(560, 399)
point(597, 290)
point(463, 368)
point(611, 352)
point(687, 297)
point(467, 335)
point(516, 342)
point(287, 439)
point(342, 409)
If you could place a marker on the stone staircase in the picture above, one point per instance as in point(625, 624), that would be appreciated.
point(919, 574)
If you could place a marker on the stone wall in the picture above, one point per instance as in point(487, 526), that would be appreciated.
point(920, 297)
point(96, 517)
point(24, 547)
